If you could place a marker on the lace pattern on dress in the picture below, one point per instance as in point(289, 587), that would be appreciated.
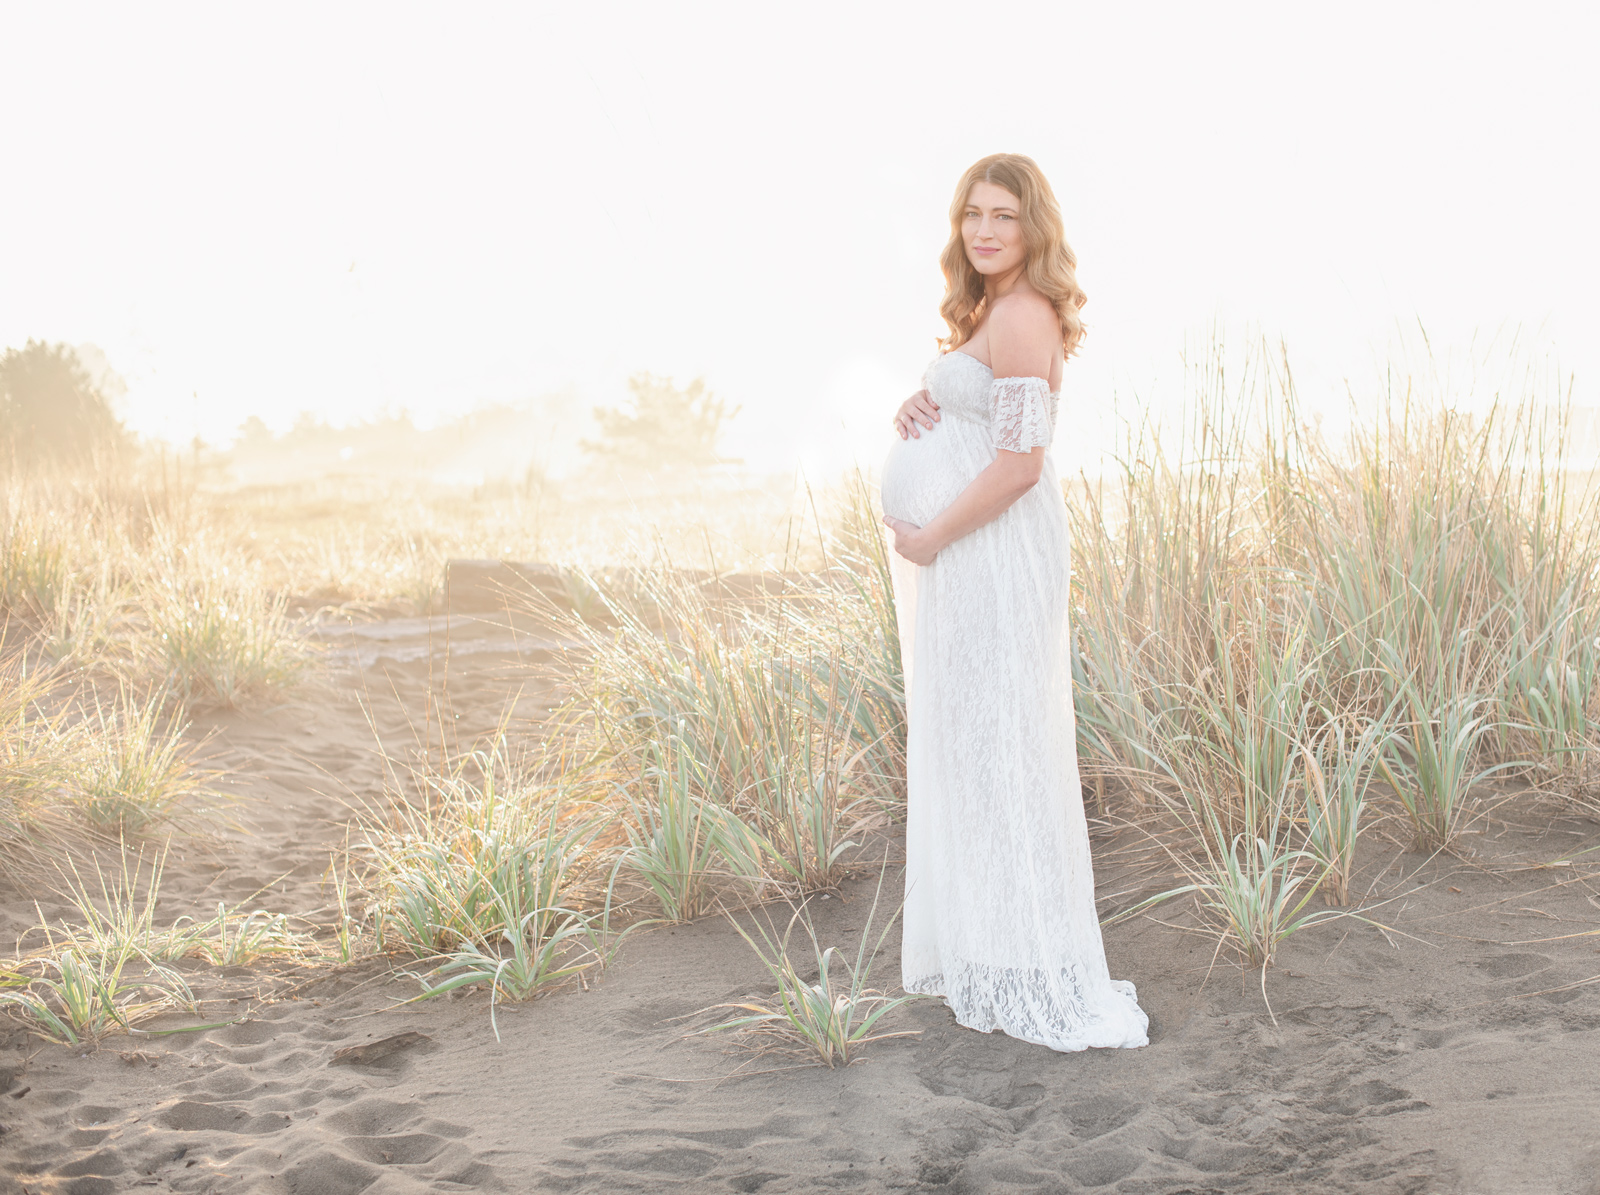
point(1059, 1009)
point(999, 916)
point(1024, 413)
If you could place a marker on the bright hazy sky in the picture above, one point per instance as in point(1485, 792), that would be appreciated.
point(352, 209)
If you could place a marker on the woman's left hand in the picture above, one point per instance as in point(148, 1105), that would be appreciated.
point(910, 541)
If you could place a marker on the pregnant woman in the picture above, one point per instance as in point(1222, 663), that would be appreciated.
point(999, 915)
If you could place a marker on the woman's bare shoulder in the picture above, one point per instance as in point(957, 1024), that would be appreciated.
point(1024, 317)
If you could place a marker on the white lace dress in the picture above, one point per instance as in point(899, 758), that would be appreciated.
point(999, 915)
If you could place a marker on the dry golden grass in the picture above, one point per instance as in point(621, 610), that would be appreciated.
point(1280, 641)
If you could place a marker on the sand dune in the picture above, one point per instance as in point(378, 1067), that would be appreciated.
point(1463, 1058)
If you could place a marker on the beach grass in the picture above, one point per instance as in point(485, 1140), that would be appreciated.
point(829, 1018)
point(1281, 640)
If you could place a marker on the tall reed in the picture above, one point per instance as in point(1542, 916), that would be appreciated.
point(134, 768)
point(1267, 622)
point(217, 635)
point(35, 758)
point(756, 737)
point(462, 853)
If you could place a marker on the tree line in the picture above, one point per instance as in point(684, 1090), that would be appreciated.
point(52, 413)
point(51, 410)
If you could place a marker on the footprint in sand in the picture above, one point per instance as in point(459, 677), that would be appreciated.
point(1372, 1098)
point(1512, 966)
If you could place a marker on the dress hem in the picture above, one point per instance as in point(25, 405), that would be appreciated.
point(1119, 1026)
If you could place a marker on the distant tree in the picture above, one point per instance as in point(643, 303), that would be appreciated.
point(50, 409)
point(254, 432)
point(663, 424)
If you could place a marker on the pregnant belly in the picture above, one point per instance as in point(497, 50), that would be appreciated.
point(923, 476)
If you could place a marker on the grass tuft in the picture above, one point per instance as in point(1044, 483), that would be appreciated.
point(831, 1017)
point(216, 634)
point(135, 768)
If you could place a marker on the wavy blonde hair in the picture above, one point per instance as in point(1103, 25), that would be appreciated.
point(1051, 265)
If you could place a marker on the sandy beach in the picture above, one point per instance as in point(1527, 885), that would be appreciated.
point(556, 559)
point(1453, 1053)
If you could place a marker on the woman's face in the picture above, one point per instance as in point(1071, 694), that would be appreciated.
point(992, 229)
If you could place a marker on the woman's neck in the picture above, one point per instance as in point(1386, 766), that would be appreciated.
point(997, 286)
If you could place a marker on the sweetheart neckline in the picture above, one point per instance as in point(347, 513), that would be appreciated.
point(958, 353)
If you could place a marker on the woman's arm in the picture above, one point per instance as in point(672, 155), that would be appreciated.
point(1024, 336)
point(990, 494)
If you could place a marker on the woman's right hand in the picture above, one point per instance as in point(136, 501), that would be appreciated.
point(919, 408)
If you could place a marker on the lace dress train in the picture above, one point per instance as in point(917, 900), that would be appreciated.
point(999, 916)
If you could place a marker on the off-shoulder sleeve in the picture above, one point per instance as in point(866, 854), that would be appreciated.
point(1022, 413)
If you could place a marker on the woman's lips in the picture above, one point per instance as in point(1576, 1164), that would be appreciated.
point(979, 249)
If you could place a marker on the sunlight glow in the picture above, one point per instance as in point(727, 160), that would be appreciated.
point(349, 210)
